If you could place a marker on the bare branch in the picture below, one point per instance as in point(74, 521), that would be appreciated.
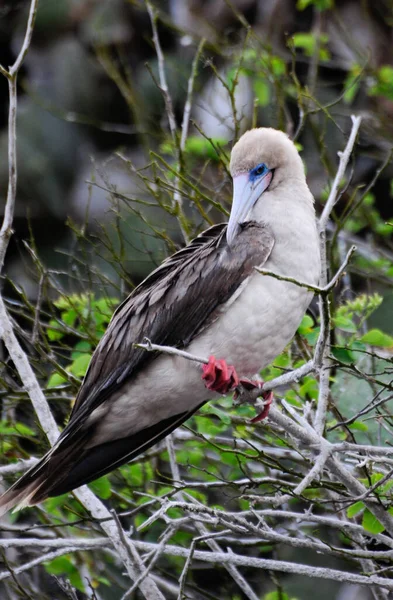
point(150, 347)
point(161, 72)
point(324, 347)
point(344, 159)
point(205, 535)
point(273, 565)
point(190, 90)
point(11, 75)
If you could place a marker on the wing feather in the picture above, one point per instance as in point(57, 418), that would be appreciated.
point(171, 306)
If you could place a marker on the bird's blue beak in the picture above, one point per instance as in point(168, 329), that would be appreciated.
point(246, 192)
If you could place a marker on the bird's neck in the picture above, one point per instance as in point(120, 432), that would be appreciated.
point(289, 213)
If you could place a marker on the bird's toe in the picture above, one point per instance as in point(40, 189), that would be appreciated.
point(267, 400)
point(218, 376)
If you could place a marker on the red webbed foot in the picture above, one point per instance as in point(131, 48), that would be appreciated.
point(222, 378)
point(219, 377)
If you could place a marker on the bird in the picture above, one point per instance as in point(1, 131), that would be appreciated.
point(207, 299)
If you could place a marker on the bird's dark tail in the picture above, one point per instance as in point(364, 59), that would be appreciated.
point(36, 484)
point(72, 463)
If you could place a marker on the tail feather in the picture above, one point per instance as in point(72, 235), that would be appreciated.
point(35, 485)
point(72, 463)
point(16, 498)
point(101, 459)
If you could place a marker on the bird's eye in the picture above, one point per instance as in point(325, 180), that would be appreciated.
point(258, 171)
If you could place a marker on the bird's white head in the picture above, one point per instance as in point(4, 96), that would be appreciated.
point(262, 159)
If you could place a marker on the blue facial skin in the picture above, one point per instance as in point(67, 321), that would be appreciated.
point(258, 172)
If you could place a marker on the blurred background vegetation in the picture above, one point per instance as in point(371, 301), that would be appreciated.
point(108, 188)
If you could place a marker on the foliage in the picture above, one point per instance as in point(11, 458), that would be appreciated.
point(86, 315)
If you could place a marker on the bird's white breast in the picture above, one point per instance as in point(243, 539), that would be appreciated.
point(256, 326)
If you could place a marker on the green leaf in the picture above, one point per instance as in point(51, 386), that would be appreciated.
point(231, 75)
point(383, 85)
point(76, 581)
point(308, 42)
point(305, 41)
point(309, 387)
point(55, 380)
point(80, 348)
point(342, 354)
point(374, 478)
point(52, 331)
point(351, 89)
point(363, 304)
point(278, 66)
point(202, 148)
point(306, 325)
point(344, 323)
point(262, 92)
point(319, 4)
point(358, 426)
point(17, 429)
point(60, 565)
point(277, 596)
point(312, 337)
point(22, 429)
point(223, 416)
point(69, 317)
point(52, 504)
point(74, 302)
point(371, 523)
point(208, 427)
point(106, 306)
point(101, 487)
point(79, 366)
point(355, 509)
point(375, 337)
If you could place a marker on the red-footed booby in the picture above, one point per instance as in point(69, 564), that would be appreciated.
point(207, 299)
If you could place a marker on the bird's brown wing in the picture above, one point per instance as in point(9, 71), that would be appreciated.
point(170, 307)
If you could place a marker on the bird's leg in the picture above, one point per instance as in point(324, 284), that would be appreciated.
point(222, 378)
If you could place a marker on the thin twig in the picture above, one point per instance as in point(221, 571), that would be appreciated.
point(190, 90)
point(324, 375)
point(323, 291)
point(12, 76)
point(179, 145)
point(205, 535)
point(161, 71)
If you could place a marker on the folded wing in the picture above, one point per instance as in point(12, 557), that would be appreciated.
point(170, 307)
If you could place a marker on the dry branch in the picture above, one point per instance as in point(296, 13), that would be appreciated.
point(92, 504)
point(324, 373)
